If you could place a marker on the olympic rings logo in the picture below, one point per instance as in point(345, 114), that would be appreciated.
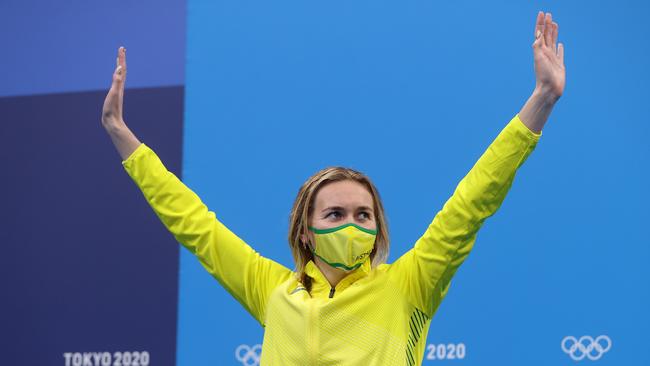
point(586, 346)
point(249, 356)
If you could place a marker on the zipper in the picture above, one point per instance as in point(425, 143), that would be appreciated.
point(332, 292)
point(312, 330)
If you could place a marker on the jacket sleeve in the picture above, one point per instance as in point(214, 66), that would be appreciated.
point(245, 274)
point(424, 273)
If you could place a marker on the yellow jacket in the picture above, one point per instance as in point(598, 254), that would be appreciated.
point(376, 316)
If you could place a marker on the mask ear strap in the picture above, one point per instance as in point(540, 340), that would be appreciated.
point(306, 244)
point(311, 249)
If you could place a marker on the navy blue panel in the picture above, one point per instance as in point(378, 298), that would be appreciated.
point(86, 266)
point(53, 46)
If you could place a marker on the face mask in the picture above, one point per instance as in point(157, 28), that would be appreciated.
point(345, 247)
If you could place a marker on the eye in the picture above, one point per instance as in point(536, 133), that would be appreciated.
point(333, 215)
point(364, 215)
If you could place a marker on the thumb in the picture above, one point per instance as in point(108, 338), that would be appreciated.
point(539, 39)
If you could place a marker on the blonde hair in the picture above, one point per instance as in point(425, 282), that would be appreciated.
point(303, 208)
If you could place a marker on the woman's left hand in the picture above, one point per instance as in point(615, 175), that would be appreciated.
point(549, 57)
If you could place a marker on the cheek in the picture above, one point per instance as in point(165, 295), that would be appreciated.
point(322, 222)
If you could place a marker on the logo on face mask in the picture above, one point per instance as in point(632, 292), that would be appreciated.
point(345, 247)
point(362, 256)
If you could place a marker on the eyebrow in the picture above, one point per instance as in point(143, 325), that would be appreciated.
point(334, 208)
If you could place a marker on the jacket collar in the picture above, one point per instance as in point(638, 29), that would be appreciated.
point(320, 287)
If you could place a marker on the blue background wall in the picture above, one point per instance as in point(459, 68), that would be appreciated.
point(410, 92)
point(54, 47)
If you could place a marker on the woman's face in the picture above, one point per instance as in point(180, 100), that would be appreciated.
point(343, 202)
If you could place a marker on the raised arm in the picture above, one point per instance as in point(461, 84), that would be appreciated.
point(424, 273)
point(245, 274)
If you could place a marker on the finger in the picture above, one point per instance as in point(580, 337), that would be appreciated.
point(560, 52)
point(548, 29)
point(539, 30)
point(555, 32)
point(539, 24)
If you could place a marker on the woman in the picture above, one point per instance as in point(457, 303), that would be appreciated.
point(343, 304)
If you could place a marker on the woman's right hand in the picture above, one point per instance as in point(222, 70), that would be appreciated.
point(124, 140)
point(112, 111)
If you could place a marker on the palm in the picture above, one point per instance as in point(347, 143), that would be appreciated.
point(548, 56)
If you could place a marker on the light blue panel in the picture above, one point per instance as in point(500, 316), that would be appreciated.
point(65, 46)
point(412, 92)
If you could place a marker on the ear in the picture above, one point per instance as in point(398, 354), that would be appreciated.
point(305, 240)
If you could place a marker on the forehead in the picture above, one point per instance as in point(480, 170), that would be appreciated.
point(346, 193)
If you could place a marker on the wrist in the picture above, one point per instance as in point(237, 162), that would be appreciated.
point(545, 94)
point(113, 126)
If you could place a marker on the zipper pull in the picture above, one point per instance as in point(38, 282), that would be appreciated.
point(332, 292)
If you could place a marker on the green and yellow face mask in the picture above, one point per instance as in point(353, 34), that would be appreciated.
point(345, 247)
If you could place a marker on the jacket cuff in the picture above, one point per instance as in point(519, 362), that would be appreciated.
point(521, 128)
point(139, 151)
